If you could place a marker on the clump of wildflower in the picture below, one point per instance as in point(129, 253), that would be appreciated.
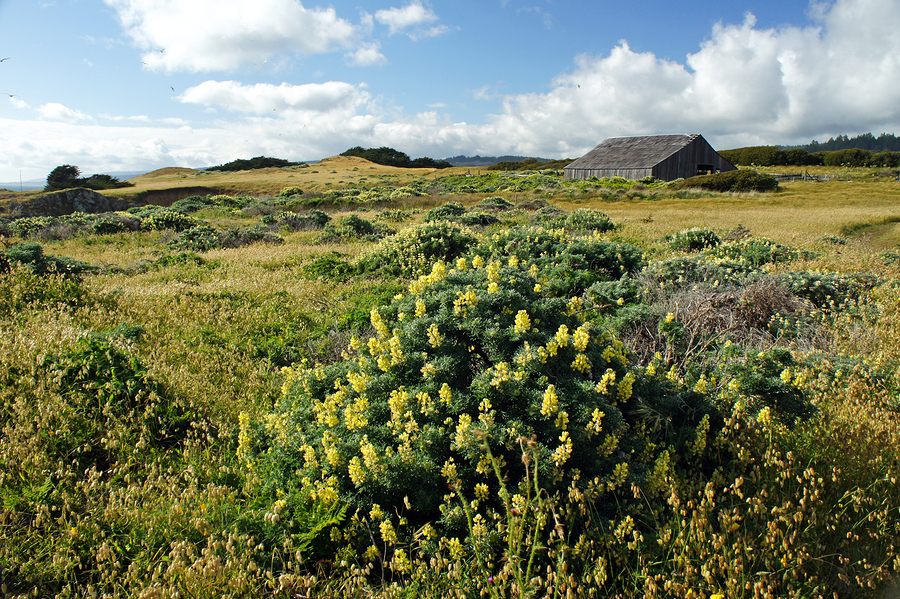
point(523, 322)
point(551, 401)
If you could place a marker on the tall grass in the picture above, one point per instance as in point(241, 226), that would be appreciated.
point(96, 501)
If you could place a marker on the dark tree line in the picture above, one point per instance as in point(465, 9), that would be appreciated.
point(391, 157)
point(69, 177)
point(256, 162)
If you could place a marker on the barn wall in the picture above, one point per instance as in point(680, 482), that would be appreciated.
point(683, 164)
point(629, 173)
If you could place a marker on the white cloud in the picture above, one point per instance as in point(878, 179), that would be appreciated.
point(409, 20)
point(205, 35)
point(265, 98)
point(367, 55)
point(54, 110)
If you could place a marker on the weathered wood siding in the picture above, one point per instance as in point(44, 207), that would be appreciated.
point(684, 163)
point(629, 173)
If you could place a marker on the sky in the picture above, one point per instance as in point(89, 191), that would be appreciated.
point(136, 85)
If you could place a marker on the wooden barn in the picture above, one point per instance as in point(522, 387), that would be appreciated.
point(666, 157)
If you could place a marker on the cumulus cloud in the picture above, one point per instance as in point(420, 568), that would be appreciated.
point(367, 55)
point(265, 98)
point(206, 35)
point(410, 20)
point(56, 111)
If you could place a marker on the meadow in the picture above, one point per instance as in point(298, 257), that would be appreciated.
point(348, 380)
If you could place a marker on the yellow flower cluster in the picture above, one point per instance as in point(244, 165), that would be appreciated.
point(699, 443)
point(595, 426)
point(420, 308)
point(502, 374)
point(445, 393)
point(397, 402)
point(463, 301)
point(551, 401)
point(243, 448)
point(562, 453)
point(576, 304)
point(355, 414)
point(581, 363)
point(581, 338)
point(434, 335)
point(357, 474)
point(561, 337)
point(378, 323)
point(438, 273)
point(523, 322)
point(608, 378)
point(625, 387)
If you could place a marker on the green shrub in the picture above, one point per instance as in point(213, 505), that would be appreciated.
point(396, 215)
point(330, 265)
point(290, 191)
point(468, 366)
point(566, 265)
point(416, 248)
point(353, 227)
point(162, 220)
point(31, 255)
point(586, 219)
point(192, 204)
point(445, 211)
point(200, 238)
point(732, 181)
point(693, 240)
point(494, 204)
point(756, 251)
point(114, 223)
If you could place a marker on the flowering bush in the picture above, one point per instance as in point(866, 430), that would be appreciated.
point(565, 265)
point(693, 240)
point(161, 220)
point(466, 366)
point(413, 250)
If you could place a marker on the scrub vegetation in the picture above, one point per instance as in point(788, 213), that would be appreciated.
point(446, 385)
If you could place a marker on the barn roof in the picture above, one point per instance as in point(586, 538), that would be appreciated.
point(633, 152)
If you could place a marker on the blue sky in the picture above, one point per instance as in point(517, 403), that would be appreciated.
point(123, 85)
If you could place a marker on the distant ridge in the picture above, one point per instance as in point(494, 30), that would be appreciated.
point(489, 160)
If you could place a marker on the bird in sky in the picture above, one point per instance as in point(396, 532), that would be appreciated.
point(5, 59)
point(11, 95)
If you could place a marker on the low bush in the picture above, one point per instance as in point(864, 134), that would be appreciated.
point(161, 220)
point(693, 240)
point(732, 181)
point(413, 250)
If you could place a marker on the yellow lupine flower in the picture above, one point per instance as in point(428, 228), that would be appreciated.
point(551, 401)
point(513, 262)
point(493, 287)
point(477, 262)
point(396, 351)
point(562, 420)
point(420, 308)
point(596, 424)
point(388, 534)
point(581, 338)
point(434, 335)
point(608, 378)
point(482, 491)
point(625, 387)
point(461, 264)
point(562, 336)
point(523, 322)
point(445, 393)
point(581, 363)
point(378, 323)
point(357, 474)
point(562, 453)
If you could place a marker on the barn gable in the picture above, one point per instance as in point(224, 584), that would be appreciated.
point(666, 157)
